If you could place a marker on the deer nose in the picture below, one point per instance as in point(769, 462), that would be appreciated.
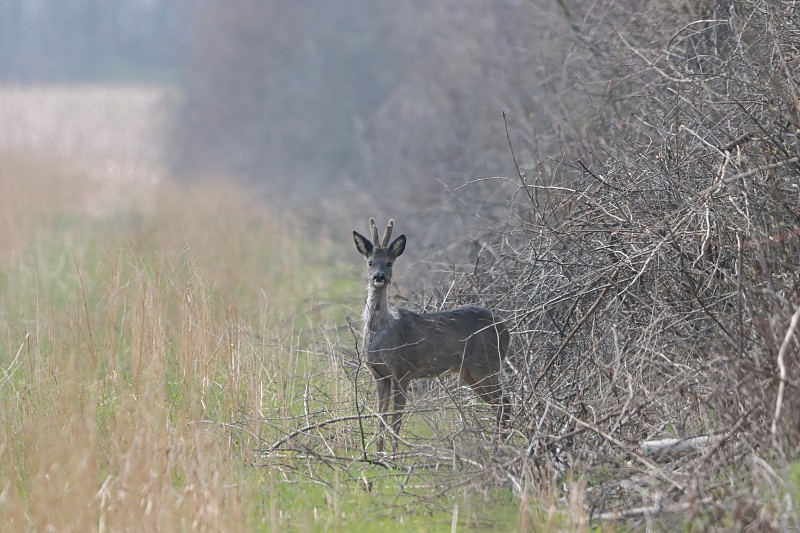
point(379, 277)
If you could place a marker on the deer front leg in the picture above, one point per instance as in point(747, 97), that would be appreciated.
point(384, 385)
point(400, 392)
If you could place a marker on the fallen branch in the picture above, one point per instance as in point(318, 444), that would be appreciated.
point(666, 450)
point(650, 510)
point(651, 467)
point(317, 425)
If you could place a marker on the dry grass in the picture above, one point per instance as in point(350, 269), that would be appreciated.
point(157, 372)
point(124, 337)
point(117, 353)
point(159, 358)
point(112, 134)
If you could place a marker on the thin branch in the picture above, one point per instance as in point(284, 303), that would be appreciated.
point(572, 333)
point(782, 368)
point(516, 165)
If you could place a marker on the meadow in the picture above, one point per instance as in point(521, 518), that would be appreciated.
point(186, 357)
point(183, 352)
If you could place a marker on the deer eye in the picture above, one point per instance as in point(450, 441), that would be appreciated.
point(389, 264)
point(369, 263)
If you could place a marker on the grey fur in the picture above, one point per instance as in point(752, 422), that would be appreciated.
point(402, 345)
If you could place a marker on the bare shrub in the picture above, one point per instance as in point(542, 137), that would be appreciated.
point(654, 281)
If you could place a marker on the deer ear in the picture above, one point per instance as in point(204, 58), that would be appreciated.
point(363, 245)
point(398, 246)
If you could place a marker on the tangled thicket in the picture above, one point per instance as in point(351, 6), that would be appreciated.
point(650, 272)
point(653, 280)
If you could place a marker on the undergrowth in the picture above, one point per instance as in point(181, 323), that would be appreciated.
point(192, 367)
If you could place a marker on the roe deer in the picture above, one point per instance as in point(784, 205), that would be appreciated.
point(402, 345)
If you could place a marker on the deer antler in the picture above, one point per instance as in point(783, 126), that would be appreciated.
point(387, 234)
point(374, 229)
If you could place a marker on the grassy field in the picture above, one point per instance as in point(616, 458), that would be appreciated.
point(159, 361)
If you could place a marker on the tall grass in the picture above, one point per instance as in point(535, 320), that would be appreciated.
point(125, 347)
point(157, 369)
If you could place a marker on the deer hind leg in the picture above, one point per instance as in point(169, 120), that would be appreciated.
point(493, 394)
point(486, 384)
point(384, 385)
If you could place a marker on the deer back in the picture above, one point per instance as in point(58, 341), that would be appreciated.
point(414, 345)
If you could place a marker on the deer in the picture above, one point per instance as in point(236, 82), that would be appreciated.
point(401, 345)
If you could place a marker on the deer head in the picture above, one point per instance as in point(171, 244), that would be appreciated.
point(380, 256)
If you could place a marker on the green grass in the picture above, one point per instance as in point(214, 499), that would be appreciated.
point(148, 368)
point(348, 504)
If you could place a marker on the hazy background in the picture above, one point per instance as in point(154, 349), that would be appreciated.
point(178, 183)
point(315, 98)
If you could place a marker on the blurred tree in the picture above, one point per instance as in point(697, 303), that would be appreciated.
point(52, 40)
point(308, 96)
point(277, 88)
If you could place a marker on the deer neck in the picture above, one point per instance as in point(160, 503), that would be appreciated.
point(377, 314)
